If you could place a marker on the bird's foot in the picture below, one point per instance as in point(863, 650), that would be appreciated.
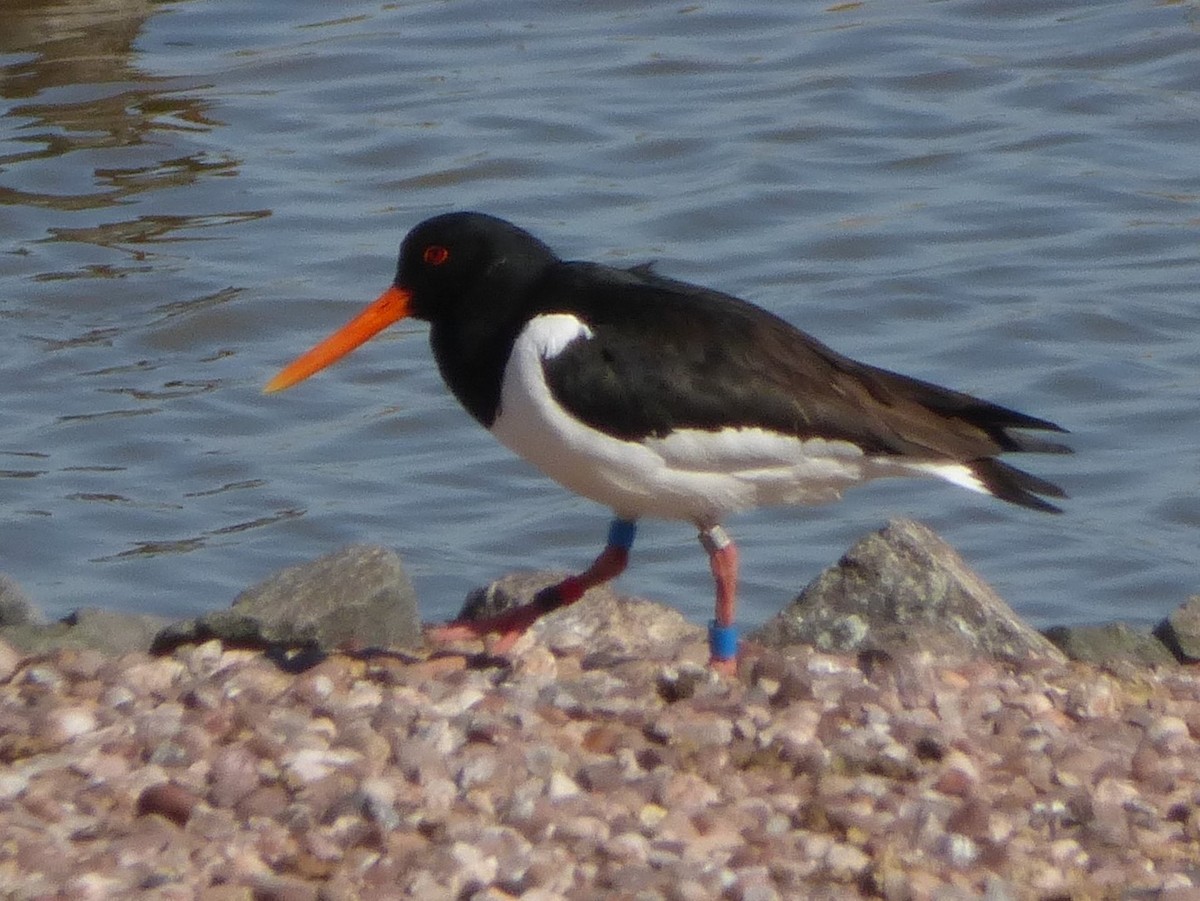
point(512, 624)
point(508, 626)
point(723, 648)
point(725, 666)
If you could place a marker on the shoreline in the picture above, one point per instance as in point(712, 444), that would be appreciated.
point(599, 758)
point(361, 595)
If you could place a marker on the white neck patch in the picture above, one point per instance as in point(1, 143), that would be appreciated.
point(550, 334)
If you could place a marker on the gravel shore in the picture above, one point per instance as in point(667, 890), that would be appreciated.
point(584, 768)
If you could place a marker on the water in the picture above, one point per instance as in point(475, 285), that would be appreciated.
point(998, 196)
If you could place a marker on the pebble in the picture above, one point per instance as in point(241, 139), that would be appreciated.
point(1168, 734)
point(561, 786)
point(845, 862)
point(10, 659)
point(174, 802)
point(233, 775)
point(215, 771)
point(65, 723)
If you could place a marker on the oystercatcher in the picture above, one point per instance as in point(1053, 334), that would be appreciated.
point(660, 398)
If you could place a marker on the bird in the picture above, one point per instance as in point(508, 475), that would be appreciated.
point(664, 399)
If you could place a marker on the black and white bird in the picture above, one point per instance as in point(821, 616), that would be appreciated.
point(665, 399)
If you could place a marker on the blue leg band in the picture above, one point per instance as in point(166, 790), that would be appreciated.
point(722, 641)
point(621, 533)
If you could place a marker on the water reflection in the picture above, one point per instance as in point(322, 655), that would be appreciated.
point(150, 229)
point(73, 84)
point(100, 157)
point(74, 42)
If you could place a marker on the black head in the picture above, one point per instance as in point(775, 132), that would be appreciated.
point(468, 261)
point(471, 276)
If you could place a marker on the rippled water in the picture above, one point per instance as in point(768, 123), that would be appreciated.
point(999, 196)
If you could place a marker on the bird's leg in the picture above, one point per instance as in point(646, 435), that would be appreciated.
point(511, 624)
point(722, 632)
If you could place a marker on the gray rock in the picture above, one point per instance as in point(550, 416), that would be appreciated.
point(1180, 631)
point(1110, 643)
point(602, 621)
point(358, 595)
point(15, 608)
point(904, 589)
point(109, 631)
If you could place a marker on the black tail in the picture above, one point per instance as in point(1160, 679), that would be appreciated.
point(994, 420)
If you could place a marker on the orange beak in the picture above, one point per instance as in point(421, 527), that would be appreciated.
point(391, 306)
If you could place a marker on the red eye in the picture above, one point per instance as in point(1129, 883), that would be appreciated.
point(435, 254)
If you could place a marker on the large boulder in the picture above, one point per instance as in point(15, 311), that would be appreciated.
point(903, 589)
point(1110, 644)
point(358, 596)
point(1180, 631)
point(108, 631)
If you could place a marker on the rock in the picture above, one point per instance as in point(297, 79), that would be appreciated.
point(109, 631)
point(1180, 631)
point(1110, 643)
point(168, 800)
point(903, 589)
point(15, 608)
point(602, 621)
point(358, 595)
point(10, 659)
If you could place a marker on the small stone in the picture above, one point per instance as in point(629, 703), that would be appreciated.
point(692, 728)
point(473, 864)
point(65, 723)
point(101, 768)
point(959, 775)
point(117, 697)
point(1092, 699)
point(233, 775)
point(283, 888)
point(154, 678)
point(13, 782)
point(629, 847)
point(561, 786)
point(686, 792)
point(1168, 734)
point(590, 829)
point(310, 765)
point(458, 702)
point(651, 815)
point(754, 883)
point(266, 801)
point(959, 850)
point(845, 862)
point(1066, 852)
point(537, 665)
point(168, 800)
point(476, 770)
point(10, 659)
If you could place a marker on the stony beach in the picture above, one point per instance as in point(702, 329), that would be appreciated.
point(600, 758)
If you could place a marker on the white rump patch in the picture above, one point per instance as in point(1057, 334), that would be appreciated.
point(956, 473)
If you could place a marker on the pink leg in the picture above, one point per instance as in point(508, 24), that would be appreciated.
point(722, 632)
point(511, 624)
